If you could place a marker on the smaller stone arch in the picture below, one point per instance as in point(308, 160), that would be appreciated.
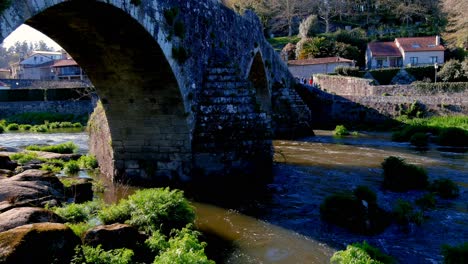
point(258, 77)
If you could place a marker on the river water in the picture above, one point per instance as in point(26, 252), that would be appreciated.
point(285, 227)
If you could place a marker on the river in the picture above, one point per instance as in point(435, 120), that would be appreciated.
point(285, 227)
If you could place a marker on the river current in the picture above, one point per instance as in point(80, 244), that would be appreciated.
point(285, 225)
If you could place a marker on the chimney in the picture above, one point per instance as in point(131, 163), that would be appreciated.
point(437, 40)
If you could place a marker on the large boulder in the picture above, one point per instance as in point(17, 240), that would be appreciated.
point(26, 215)
point(34, 187)
point(41, 243)
point(114, 236)
point(6, 163)
point(81, 191)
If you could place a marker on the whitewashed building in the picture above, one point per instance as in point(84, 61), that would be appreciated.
point(306, 68)
point(405, 52)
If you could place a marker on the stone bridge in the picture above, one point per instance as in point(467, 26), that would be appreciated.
point(188, 88)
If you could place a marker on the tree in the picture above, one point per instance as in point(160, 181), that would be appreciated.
point(452, 71)
point(317, 47)
point(326, 10)
point(457, 29)
point(309, 27)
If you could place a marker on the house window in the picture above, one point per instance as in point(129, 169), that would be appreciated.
point(414, 60)
point(380, 63)
point(434, 59)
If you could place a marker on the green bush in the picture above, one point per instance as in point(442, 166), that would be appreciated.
point(156, 243)
point(348, 71)
point(421, 73)
point(445, 188)
point(64, 148)
point(160, 209)
point(50, 168)
point(77, 125)
point(39, 128)
point(452, 71)
point(340, 130)
point(66, 125)
point(352, 254)
point(184, 248)
point(419, 139)
point(88, 162)
point(453, 136)
point(71, 167)
point(96, 255)
point(427, 201)
point(404, 213)
point(2, 129)
point(455, 254)
point(23, 157)
point(54, 125)
point(400, 176)
point(384, 76)
point(116, 213)
point(25, 127)
point(76, 213)
point(79, 228)
point(440, 87)
point(375, 253)
point(12, 127)
point(349, 211)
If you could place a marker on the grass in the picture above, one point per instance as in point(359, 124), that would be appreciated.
point(24, 157)
point(64, 148)
point(279, 42)
point(71, 167)
point(88, 162)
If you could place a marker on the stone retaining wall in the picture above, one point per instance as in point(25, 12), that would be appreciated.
point(62, 107)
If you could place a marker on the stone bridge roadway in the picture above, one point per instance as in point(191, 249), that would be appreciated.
point(189, 89)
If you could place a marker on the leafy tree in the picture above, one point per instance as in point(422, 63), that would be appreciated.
point(452, 71)
point(457, 30)
point(309, 27)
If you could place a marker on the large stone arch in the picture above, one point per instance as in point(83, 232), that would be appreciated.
point(148, 135)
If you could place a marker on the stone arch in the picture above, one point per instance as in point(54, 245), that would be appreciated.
point(148, 137)
point(258, 77)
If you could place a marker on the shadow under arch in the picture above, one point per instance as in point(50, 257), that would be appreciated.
point(257, 76)
point(148, 137)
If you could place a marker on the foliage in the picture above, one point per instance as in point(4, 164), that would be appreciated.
point(452, 71)
point(12, 127)
point(157, 243)
point(455, 254)
point(25, 127)
point(279, 42)
point(50, 168)
point(416, 109)
point(340, 130)
point(184, 247)
point(348, 71)
point(352, 254)
point(427, 201)
point(400, 176)
point(71, 167)
point(421, 73)
point(63, 148)
point(79, 228)
point(76, 213)
point(404, 213)
point(38, 118)
point(88, 162)
point(116, 213)
point(309, 27)
point(4, 4)
point(384, 76)
point(419, 139)
point(96, 255)
point(316, 47)
point(457, 29)
point(375, 253)
point(445, 188)
point(1, 129)
point(453, 136)
point(351, 212)
point(159, 209)
point(39, 128)
point(24, 157)
point(440, 87)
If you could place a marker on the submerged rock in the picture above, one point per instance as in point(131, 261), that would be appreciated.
point(41, 243)
point(6, 163)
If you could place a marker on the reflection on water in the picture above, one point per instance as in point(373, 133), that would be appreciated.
point(285, 227)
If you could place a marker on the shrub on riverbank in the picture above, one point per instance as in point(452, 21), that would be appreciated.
point(445, 188)
point(361, 253)
point(357, 212)
point(23, 157)
point(400, 176)
point(12, 127)
point(88, 162)
point(419, 140)
point(455, 254)
point(405, 214)
point(64, 148)
point(340, 130)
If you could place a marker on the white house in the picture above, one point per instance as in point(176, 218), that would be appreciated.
point(35, 66)
point(306, 68)
point(417, 51)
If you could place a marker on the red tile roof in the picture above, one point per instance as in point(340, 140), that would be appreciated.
point(318, 61)
point(419, 44)
point(384, 49)
point(64, 63)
